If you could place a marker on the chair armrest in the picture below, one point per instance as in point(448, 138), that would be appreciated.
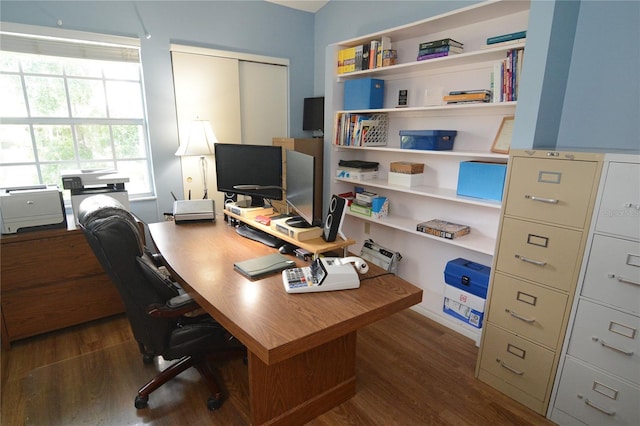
point(175, 307)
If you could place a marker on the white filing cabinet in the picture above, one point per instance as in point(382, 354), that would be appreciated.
point(598, 381)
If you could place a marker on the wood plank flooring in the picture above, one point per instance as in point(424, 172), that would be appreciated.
point(410, 371)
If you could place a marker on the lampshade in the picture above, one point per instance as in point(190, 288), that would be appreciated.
point(200, 141)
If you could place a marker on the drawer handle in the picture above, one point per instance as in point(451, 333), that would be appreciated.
point(520, 317)
point(526, 259)
point(632, 206)
point(602, 410)
point(542, 199)
point(606, 345)
point(513, 370)
point(627, 281)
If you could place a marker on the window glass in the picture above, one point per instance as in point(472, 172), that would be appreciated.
point(61, 113)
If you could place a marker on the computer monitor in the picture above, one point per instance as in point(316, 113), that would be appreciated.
point(252, 170)
point(300, 179)
point(313, 114)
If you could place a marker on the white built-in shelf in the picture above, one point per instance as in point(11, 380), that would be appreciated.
point(474, 14)
point(426, 191)
point(436, 64)
point(472, 241)
point(462, 108)
point(469, 154)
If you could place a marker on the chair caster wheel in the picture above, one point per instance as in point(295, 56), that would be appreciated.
point(142, 402)
point(214, 403)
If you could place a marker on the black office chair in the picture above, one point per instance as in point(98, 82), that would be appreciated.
point(155, 305)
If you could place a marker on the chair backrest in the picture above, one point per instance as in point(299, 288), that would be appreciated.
point(114, 235)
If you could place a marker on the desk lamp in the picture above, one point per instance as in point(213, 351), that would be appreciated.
point(200, 142)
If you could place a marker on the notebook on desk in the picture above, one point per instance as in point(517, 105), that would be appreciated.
point(262, 266)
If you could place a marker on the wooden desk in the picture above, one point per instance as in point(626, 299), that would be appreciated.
point(302, 347)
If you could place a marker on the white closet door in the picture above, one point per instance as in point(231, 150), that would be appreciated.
point(263, 102)
point(206, 88)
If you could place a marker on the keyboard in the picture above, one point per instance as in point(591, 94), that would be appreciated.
point(258, 235)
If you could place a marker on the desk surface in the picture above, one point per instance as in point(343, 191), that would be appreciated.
point(273, 324)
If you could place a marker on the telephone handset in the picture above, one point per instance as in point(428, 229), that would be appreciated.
point(325, 274)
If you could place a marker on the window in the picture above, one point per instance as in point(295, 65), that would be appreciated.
point(72, 105)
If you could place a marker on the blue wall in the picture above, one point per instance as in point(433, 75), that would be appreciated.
point(243, 26)
point(582, 89)
point(602, 102)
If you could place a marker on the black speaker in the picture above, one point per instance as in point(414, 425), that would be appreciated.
point(337, 209)
point(228, 198)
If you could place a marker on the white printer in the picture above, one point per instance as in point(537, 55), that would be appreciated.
point(31, 208)
point(87, 182)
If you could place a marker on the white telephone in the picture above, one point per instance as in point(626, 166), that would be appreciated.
point(325, 274)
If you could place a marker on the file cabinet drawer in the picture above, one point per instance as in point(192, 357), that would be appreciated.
point(596, 398)
point(541, 253)
point(516, 361)
point(619, 211)
point(527, 310)
point(608, 339)
point(551, 191)
point(613, 272)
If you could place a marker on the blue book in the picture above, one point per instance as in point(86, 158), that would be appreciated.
point(507, 37)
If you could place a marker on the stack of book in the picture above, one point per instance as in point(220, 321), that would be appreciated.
point(366, 56)
point(352, 129)
point(439, 48)
point(468, 96)
point(505, 78)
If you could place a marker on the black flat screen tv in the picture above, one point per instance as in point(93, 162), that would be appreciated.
point(251, 170)
point(313, 114)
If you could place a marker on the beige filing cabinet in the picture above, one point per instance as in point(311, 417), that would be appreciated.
point(598, 380)
point(310, 146)
point(547, 210)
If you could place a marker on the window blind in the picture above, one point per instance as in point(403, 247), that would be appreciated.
point(52, 46)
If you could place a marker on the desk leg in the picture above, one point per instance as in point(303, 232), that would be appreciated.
point(301, 388)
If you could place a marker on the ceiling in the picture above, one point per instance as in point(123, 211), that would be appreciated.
point(306, 5)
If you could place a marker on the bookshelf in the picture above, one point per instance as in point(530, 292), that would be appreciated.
point(425, 256)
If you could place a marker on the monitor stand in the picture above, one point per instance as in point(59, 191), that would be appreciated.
point(252, 201)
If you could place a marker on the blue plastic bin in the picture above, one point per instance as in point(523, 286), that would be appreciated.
point(432, 140)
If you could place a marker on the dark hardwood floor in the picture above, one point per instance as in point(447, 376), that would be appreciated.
point(410, 371)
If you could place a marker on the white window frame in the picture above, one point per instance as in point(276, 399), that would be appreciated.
point(53, 48)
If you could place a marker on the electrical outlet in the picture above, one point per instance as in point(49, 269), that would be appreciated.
point(367, 228)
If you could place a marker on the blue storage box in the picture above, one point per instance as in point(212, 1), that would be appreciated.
point(364, 93)
point(432, 140)
point(469, 276)
point(480, 179)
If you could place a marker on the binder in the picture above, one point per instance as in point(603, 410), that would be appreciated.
point(262, 266)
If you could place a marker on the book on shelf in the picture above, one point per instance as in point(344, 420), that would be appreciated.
point(503, 43)
point(507, 37)
point(483, 96)
point(440, 42)
point(353, 129)
point(374, 47)
point(346, 60)
point(429, 50)
point(443, 229)
point(435, 55)
point(505, 77)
